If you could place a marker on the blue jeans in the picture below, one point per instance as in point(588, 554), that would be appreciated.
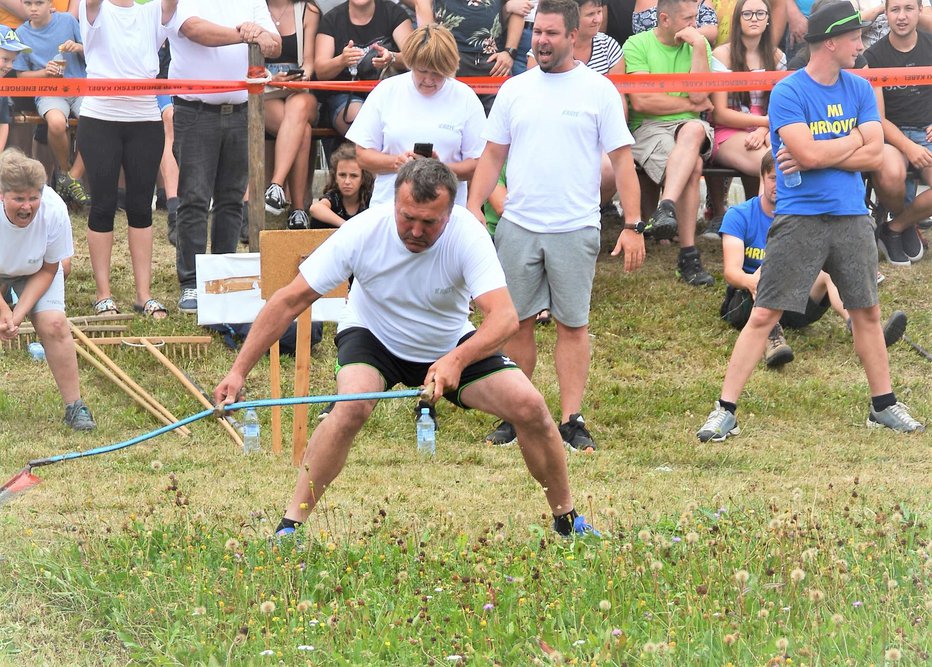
point(916, 135)
point(524, 46)
point(211, 150)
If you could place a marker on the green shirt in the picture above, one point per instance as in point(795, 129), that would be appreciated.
point(645, 53)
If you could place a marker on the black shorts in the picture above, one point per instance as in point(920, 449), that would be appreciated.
point(357, 345)
point(736, 310)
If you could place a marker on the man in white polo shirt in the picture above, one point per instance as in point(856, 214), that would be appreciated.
point(209, 41)
point(553, 123)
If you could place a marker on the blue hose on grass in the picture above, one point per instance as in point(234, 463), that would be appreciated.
point(261, 403)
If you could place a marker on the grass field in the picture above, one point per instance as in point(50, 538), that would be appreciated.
point(805, 541)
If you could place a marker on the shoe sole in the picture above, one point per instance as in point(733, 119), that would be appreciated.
point(895, 328)
point(875, 424)
point(710, 236)
point(492, 443)
point(188, 311)
point(273, 210)
point(779, 359)
point(588, 449)
point(719, 438)
point(703, 283)
point(882, 247)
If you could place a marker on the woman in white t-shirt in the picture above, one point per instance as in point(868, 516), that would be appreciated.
point(35, 238)
point(121, 41)
point(423, 106)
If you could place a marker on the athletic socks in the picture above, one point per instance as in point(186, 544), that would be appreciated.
point(563, 524)
point(287, 525)
point(882, 402)
point(731, 407)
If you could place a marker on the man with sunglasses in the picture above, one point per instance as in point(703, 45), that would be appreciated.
point(825, 130)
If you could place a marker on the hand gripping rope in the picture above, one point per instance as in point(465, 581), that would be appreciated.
point(25, 479)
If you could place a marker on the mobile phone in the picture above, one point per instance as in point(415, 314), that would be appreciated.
point(295, 72)
point(424, 150)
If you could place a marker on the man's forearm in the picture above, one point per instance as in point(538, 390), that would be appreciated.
point(485, 177)
point(207, 33)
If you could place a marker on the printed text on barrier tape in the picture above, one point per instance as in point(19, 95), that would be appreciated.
point(625, 83)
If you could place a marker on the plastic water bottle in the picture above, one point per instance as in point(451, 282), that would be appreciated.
point(426, 435)
point(791, 180)
point(36, 351)
point(251, 443)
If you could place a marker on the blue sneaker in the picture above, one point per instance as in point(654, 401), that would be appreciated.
point(580, 528)
point(718, 426)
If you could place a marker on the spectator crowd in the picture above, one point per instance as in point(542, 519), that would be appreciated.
point(544, 162)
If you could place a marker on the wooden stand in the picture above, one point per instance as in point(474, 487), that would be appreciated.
point(280, 253)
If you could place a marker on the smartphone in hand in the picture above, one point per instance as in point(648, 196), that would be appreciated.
point(424, 150)
point(295, 72)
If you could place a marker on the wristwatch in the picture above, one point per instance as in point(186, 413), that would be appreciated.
point(511, 51)
point(638, 227)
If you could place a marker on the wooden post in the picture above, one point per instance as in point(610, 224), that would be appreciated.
point(256, 132)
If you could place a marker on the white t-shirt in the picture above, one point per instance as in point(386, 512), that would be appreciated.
point(395, 116)
point(46, 239)
point(416, 304)
point(557, 125)
point(191, 60)
point(123, 43)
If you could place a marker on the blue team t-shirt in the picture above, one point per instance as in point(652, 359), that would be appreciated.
point(44, 43)
point(830, 112)
point(748, 222)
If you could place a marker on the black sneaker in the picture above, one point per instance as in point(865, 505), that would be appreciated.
point(661, 225)
point(432, 413)
point(275, 202)
point(890, 245)
point(710, 232)
point(575, 434)
point(689, 269)
point(326, 411)
point(503, 435)
point(895, 327)
point(912, 244)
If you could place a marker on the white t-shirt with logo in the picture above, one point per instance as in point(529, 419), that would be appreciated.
point(191, 60)
point(395, 116)
point(557, 127)
point(122, 43)
point(47, 238)
point(416, 304)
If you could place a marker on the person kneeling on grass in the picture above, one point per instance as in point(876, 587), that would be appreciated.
point(35, 239)
point(416, 263)
point(744, 235)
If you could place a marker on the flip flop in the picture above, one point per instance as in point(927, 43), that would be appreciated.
point(106, 306)
point(151, 308)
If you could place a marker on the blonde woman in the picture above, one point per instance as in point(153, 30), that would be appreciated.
point(425, 106)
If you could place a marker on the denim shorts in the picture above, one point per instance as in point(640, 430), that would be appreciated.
point(916, 135)
point(337, 102)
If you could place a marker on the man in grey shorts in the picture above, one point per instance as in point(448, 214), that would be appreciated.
point(827, 127)
point(554, 120)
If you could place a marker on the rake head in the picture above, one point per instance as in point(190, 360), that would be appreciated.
point(17, 485)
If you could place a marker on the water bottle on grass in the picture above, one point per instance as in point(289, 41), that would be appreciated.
point(251, 444)
point(36, 351)
point(426, 434)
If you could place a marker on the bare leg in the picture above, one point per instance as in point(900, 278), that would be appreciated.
point(869, 344)
point(52, 327)
point(522, 347)
point(100, 248)
point(330, 442)
point(58, 139)
point(140, 252)
point(687, 206)
point(344, 120)
point(511, 397)
point(749, 348)
point(168, 167)
point(607, 181)
point(571, 358)
point(823, 285)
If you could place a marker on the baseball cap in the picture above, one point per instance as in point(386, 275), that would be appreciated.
point(9, 41)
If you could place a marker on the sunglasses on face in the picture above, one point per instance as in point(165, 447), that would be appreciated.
point(759, 14)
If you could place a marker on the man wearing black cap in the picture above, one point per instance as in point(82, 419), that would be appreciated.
point(825, 129)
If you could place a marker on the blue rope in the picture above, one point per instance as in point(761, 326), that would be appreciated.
point(260, 403)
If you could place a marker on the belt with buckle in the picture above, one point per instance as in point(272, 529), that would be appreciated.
point(204, 106)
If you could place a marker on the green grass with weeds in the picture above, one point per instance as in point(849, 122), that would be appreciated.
point(805, 541)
